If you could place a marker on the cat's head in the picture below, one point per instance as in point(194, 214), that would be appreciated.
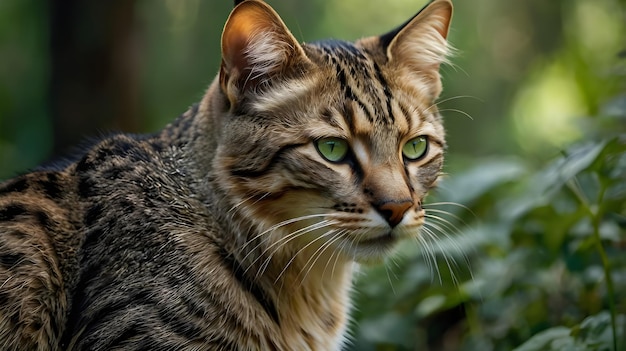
point(331, 145)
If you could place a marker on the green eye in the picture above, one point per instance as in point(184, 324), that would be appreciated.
point(332, 149)
point(415, 148)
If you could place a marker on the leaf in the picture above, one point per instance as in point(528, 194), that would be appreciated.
point(467, 187)
point(596, 331)
point(557, 338)
point(542, 187)
point(563, 169)
point(430, 305)
point(390, 329)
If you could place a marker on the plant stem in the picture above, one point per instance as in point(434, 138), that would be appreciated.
point(595, 213)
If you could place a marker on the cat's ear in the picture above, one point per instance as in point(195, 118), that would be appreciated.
point(257, 48)
point(420, 45)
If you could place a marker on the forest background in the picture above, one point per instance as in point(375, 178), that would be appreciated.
point(531, 219)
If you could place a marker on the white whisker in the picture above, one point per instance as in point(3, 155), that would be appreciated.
point(389, 280)
point(457, 111)
point(275, 227)
point(284, 240)
point(446, 259)
point(446, 203)
point(459, 249)
point(323, 248)
point(330, 232)
point(430, 253)
point(445, 213)
point(449, 226)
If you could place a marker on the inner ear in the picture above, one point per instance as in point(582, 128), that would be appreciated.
point(257, 48)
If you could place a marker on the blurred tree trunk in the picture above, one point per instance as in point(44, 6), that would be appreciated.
point(94, 69)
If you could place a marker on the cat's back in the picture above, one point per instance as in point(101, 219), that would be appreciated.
point(75, 228)
point(116, 251)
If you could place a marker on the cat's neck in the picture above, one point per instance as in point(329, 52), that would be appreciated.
point(308, 287)
point(311, 292)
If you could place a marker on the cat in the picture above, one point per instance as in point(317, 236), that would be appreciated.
point(240, 225)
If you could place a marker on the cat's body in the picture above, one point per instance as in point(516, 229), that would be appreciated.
point(237, 226)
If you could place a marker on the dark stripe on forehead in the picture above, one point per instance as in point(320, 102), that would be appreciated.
point(347, 89)
point(369, 82)
point(387, 92)
point(341, 49)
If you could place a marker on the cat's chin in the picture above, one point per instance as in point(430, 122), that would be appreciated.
point(373, 250)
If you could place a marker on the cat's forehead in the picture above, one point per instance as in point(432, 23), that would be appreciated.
point(369, 97)
point(355, 59)
point(351, 89)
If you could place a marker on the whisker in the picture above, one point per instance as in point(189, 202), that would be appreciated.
point(449, 226)
point(445, 213)
point(436, 104)
point(456, 98)
point(328, 263)
point(430, 253)
point(459, 249)
point(446, 259)
point(283, 241)
point(274, 227)
point(457, 111)
point(448, 203)
point(446, 235)
point(330, 232)
point(389, 280)
point(246, 200)
point(332, 272)
point(315, 256)
point(291, 236)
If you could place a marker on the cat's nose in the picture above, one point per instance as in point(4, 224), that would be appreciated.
point(393, 211)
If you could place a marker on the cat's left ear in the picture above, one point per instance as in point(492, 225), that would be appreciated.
point(257, 49)
point(420, 45)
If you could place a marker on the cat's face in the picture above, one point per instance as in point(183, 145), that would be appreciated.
point(331, 145)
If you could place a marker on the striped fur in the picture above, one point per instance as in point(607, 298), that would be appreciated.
point(228, 230)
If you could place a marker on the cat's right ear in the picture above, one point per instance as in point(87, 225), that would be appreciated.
point(257, 48)
point(420, 45)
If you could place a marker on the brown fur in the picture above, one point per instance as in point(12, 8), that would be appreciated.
point(229, 230)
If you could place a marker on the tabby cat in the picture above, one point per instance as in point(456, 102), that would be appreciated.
point(239, 226)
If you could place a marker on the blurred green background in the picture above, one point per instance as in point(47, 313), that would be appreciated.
point(532, 251)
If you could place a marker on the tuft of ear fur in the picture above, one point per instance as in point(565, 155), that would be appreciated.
point(422, 40)
point(420, 45)
point(257, 47)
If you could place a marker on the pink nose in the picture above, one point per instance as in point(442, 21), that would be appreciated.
point(393, 211)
